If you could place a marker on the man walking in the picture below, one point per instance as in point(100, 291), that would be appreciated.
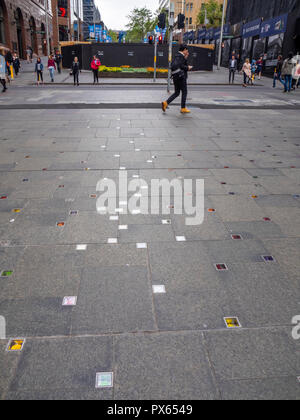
point(277, 72)
point(180, 69)
point(233, 65)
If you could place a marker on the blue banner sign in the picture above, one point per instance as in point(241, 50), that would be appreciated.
point(210, 33)
point(191, 36)
point(252, 28)
point(201, 33)
point(274, 26)
point(217, 33)
point(98, 32)
point(227, 30)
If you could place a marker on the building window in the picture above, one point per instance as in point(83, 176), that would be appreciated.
point(2, 27)
point(191, 21)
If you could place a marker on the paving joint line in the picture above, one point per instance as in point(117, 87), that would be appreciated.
point(153, 332)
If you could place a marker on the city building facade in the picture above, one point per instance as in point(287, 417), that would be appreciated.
point(267, 29)
point(23, 25)
point(91, 16)
point(66, 15)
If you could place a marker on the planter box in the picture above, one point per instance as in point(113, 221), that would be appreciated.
point(131, 75)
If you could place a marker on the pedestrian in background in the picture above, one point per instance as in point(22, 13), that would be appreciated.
point(259, 69)
point(75, 71)
point(296, 74)
point(9, 62)
point(253, 70)
point(58, 58)
point(51, 67)
point(287, 72)
point(233, 65)
point(16, 64)
point(180, 70)
point(277, 71)
point(28, 55)
point(39, 67)
point(247, 72)
point(95, 64)
point(3, 70)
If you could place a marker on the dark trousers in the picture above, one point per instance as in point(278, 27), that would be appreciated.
point(58, 67)
point(16, 68)
point(76, 78)
point(247, 79)
point(3, 83)
point(231, 75)
point(180, 86)
point(96, 76)
point(295, 83)
point(39, 75)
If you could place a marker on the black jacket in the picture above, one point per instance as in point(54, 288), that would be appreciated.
point(235, 64)
point(75, 67)
point(179, 63)
point(16, 63)
point(9, 57)
point(279, 66)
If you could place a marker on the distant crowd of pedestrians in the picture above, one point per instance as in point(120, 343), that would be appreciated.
point(9, 67)
point(286, 71)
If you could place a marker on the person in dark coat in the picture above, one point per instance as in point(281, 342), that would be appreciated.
point(277, 72)
point(58, 58)
point(180, 69)
point(233, 66)
point(9, 58)
point(16, 64)
point(76, 70)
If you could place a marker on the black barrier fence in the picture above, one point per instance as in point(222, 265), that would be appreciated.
point(133, 55)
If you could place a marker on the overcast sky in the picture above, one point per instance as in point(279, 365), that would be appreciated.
point(114, 12)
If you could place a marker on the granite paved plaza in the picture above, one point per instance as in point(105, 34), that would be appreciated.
point(172, 345)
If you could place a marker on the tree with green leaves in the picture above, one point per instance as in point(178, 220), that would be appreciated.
point(141, 22)
point(212, 11)
point(113, 35)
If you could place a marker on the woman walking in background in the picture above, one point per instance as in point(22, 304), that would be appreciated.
point(39, 71)
point(51, 67)
point(259, 67)
point(16, 64)
point(28, 55)
point(247, 72)
point(96, 63)
point(75, 71)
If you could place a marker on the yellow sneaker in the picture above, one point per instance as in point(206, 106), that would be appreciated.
point(185, 111)
point(164, 106)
